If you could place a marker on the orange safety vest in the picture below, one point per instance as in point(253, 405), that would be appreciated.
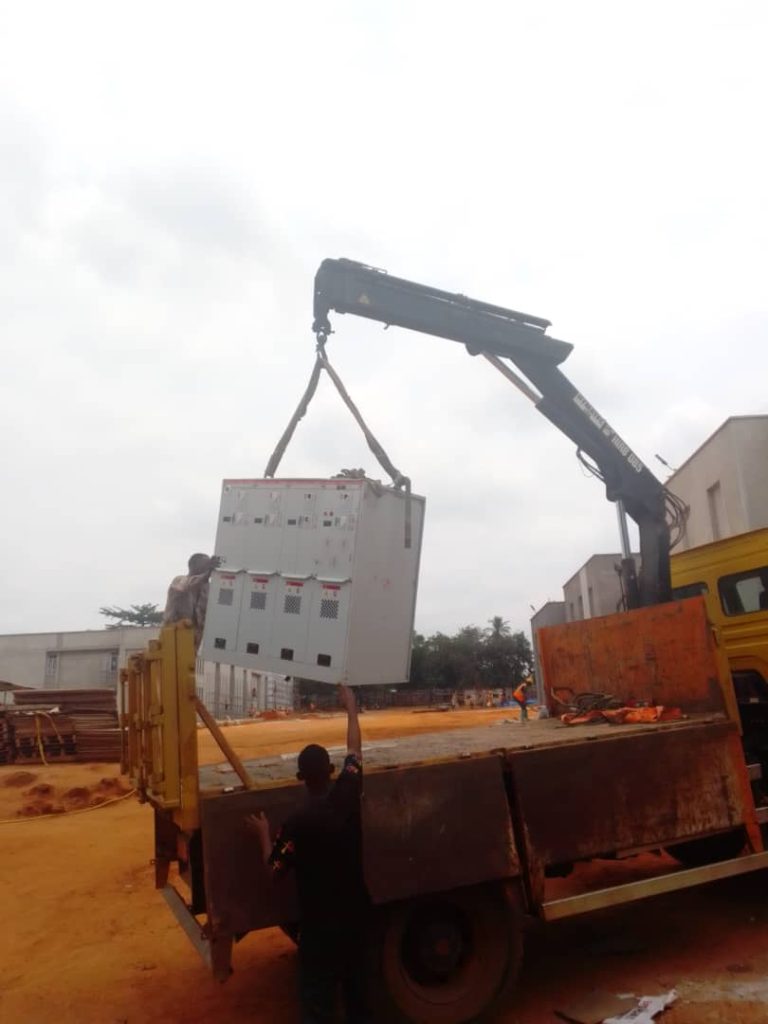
point(519, 694)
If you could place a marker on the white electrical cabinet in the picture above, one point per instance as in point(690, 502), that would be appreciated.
point(316, 580)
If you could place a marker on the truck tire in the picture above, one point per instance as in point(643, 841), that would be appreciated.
point(696, 853)
point(447, 958)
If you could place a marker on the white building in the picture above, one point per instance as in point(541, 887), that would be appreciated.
point(94, 657)
point(595, 589)
point(82, 658)
point(725, 482)
point(230, 691)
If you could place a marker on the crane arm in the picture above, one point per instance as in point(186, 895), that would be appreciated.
point(504, 334)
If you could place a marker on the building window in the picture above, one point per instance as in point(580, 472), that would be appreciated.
point(591, 603)
point(744, 593)
point(581, 606)
point(716, 510)
point(51, 665)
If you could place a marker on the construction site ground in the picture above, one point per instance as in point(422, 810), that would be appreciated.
point(86, 939)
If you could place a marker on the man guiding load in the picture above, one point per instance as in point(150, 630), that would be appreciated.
point(322, 843)
point(188, 595)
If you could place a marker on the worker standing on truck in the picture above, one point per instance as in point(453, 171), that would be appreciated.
point(188, 595)
point(322, 842)
point(520, 695)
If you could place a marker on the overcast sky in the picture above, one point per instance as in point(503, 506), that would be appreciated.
point(172, 174)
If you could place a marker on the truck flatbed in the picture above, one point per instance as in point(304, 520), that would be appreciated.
point(500, 736)
point(464, 825)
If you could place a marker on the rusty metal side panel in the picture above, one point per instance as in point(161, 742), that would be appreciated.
point(666, 654)
point(431, 828)
point(427, 828)
point(580, 800)
point(240, 893)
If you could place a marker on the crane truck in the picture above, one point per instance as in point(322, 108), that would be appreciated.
point(462, 831)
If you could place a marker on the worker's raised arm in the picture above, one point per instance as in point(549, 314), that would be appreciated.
point(354, 739)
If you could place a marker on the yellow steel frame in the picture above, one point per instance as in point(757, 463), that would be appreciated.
point(159, 725)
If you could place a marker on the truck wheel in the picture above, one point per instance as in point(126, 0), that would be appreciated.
point(447, 958)
point(696, 853)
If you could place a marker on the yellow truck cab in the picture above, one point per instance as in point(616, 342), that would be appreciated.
point(732, 574)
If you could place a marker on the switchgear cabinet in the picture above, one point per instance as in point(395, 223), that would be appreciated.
point(316, 580)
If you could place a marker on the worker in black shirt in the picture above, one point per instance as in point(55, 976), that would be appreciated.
point(322, 843)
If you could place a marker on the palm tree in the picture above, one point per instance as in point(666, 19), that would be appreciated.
point(136, 615)
point(499, 628)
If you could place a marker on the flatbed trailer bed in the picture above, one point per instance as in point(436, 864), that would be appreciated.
point(499, 737)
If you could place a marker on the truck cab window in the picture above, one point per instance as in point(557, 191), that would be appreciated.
point(750, 686)
point(744, 593)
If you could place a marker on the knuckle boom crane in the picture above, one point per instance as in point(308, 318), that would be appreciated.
point(546, 803)
point(506, 336)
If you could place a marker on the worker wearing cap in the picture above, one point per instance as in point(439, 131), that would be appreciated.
point(520, 695)
point(322, 843)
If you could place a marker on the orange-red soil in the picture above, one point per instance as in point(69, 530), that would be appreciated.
point(87, 940)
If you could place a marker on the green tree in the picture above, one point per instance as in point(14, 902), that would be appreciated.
point(499, 628)
point(490, 657)
point(419, 660)
point(442, 666)
point(468, 656)
point(507, 659)
point(136, 615)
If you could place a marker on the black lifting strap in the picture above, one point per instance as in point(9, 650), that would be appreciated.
point(321, 363)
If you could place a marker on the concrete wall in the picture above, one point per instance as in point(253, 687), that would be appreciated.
point(85, 658)
point(725, 482)
point(595, 589)
point(550, 614)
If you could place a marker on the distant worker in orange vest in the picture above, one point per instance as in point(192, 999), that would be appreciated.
point(520, 695)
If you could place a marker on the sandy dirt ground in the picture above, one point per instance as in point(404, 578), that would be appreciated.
point(87, 940)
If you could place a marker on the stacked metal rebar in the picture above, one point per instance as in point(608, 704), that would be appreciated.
point(75, 724)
